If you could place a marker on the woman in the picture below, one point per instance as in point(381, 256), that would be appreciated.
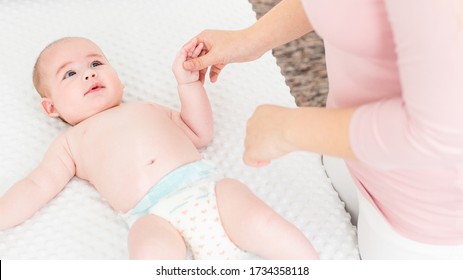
point(393, 113)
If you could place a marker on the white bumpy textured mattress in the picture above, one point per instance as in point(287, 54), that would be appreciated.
point(141, 39)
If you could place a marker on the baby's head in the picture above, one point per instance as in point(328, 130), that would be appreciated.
point(75, 80)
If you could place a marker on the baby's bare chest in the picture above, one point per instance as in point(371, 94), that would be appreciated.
point(124, 122)
point(125, 133)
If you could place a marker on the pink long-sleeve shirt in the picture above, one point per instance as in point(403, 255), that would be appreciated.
point(401, 63)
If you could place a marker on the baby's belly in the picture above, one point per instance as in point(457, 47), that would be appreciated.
point(124, 181)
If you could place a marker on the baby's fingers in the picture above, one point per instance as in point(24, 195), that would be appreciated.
point(197, 50)
point(190, 46)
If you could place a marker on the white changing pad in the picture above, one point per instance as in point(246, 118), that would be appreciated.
point(141, 39)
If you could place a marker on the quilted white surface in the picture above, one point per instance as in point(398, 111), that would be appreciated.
point(141, 39)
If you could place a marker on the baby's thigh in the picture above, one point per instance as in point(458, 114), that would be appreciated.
point(242, 213)
point(152, 237)
point(234, 198)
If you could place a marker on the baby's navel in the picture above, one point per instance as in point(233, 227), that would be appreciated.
point(151, 162)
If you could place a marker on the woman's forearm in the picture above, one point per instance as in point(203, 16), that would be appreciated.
point(274, 131)
point(321, 130)
point(285, 22)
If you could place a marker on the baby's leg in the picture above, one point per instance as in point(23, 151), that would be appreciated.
point(152, 237)
point(253, 226)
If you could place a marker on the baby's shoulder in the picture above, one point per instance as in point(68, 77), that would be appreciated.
point(64, 136)
point(60, 143)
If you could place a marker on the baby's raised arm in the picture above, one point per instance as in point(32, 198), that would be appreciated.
point(30, 194)
point(195, 116)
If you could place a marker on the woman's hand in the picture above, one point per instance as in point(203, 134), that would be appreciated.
point(220, 48)
point(266, 135)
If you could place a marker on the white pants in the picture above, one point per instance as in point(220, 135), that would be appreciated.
point(376, 238)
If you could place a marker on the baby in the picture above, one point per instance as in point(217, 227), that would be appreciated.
point(143, 159)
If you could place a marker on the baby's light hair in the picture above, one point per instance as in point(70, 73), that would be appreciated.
point(36, 79)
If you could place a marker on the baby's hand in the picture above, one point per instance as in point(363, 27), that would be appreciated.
point(189, 51)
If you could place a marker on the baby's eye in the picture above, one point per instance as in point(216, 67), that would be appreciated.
point(69, 74)
point(96, 63)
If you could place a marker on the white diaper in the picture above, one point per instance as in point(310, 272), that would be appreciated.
point(186, 198)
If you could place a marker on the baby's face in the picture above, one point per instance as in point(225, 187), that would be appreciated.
point(79, 80)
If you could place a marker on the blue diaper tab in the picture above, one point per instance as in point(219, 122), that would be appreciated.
point(175, 180)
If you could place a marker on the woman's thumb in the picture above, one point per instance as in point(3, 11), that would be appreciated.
point(198, 63)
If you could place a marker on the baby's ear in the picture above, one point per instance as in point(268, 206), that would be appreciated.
point(48, 107)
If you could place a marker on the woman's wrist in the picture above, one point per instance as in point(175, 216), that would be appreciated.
point(256, 44)
point(320, 130)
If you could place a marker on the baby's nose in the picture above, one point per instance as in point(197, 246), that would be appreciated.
point(93, 75)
